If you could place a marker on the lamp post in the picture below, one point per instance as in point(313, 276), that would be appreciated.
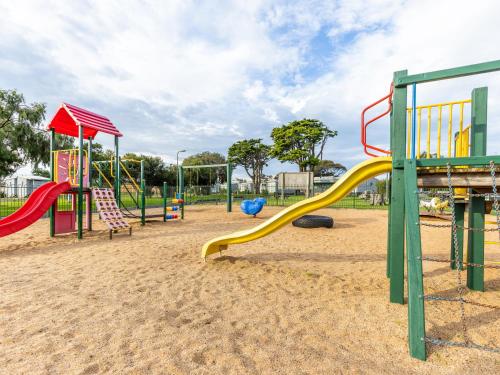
point(177, 169)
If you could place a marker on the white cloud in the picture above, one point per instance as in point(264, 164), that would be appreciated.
point(201, 75)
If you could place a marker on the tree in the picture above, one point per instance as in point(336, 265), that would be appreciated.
point(253, 156)
point(205, 176)
point(329, 168)
point(155, 170)
point(41, 172)
point(22, 137)
point(301, 142)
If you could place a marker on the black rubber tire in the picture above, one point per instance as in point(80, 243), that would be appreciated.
point(313, 221)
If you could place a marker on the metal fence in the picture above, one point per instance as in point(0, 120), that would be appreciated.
point(283, 197)
point(13, 197)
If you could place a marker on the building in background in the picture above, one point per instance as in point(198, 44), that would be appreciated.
point(21, 185)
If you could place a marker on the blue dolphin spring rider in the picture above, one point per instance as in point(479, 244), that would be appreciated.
point(252, 207)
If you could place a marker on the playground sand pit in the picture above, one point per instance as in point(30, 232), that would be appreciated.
point(299, 301)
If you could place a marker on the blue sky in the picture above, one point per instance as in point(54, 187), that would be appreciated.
point(200, 75)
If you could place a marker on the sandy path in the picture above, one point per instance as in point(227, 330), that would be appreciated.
point(297, 302)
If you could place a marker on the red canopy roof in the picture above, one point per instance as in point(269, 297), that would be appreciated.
point(69, 117)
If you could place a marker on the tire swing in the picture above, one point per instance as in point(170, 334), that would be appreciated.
point(313, 221)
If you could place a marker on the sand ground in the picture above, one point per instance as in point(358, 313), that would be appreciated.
point(296, 302)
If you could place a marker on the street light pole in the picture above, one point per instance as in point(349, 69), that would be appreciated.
point(177, 170)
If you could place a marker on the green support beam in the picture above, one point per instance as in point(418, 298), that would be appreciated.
point(416, 313)
point(143, 195)
point(203, 166)
point(229, 190)
point(475, 245)
point(397, 212)
point(462, 161)
point(181, 189)
point(461, 71)
point(165, 193)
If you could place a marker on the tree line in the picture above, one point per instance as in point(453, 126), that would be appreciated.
point(300, 142)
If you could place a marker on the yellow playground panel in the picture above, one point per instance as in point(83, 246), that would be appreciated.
point(442, 123)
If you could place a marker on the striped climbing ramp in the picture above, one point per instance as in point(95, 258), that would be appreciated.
point(109, 212)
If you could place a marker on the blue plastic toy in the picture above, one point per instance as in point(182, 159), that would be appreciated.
point(252, 207)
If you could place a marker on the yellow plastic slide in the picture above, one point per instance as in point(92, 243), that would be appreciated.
point(356, 175)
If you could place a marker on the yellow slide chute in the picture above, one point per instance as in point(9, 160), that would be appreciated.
point(352, 178)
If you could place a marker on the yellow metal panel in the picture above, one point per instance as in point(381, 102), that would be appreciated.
point(352, 178)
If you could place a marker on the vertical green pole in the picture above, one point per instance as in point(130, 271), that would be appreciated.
point(229, 189)
point(80, 183)
point(165, 201)
point(143, 195)
point(475, 245)
point(416, 313)
point(397, 212)
point(117, 172)
point(89, 210)
point(388, 265)
point(52, 212)
point(181, 188)
point(459, 218)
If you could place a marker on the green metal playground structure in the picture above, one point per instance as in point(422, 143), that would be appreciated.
point(467, 177)
point(229, 173)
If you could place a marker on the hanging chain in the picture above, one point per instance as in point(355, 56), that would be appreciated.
point(458, 266)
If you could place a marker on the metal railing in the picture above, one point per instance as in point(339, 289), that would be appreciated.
point(439, 118)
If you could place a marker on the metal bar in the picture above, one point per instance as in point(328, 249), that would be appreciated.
point(416, 314)
point(53, 177)
point(419, 132)
point(181, 188)
point(428, 143)
point(89, 199)
point(143, 195)
point(203, 166)
point(459, 219)
point(461, 71)
point(229, 189)
point(465, 161)
point(117, 172)
point(440, 123)
point(413, 120)
point(164, 201)
point(80, 183)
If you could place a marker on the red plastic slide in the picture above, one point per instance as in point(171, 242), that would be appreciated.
point(34, 208)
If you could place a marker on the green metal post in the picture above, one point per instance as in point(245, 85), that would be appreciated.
point(475, 245)
point(165, 201)
point(52, 212)
point(229, 189)
point(459, 218)
point(388, 260)
point(89, 219)
point(117, 172)
point(143, 195)
point(79, 212)
point(397, 212)
point(416, 313)
point(181, 188)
